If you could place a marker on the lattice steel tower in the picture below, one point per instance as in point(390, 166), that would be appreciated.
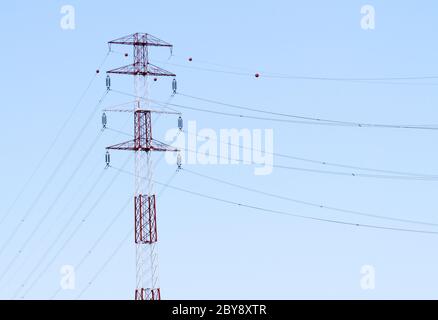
point(145, 212)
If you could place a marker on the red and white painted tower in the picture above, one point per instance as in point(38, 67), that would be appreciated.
point(145, 209)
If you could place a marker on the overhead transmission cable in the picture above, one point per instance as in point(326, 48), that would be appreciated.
point(391, 80)
point(308, 203)
point(280, 212)
point(288, 115)
point(70, 220)
point(53, 143)
point(396, 175)
point(329, 172)
point(95, 244)
point(105, 264)
point(61, 232)
point(51, 177)
point(68, 204)
point(41, 221)
point(71, 235)
point(338, 173)
point(313, 161)
point(314, 121)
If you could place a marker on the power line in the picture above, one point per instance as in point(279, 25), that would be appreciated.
point(96, 243)
point(105, 264)
point(279, 212)
point(390, 173)
point(49, 210)
point(53, 174)
point(83, 220)
point(395, 176)
point(53, 143)
point(320, 162)
point(62, 230)
point(315, 121)
point(68, 223)
point(309, 121)
point(119, 131)
point(65, 208)
point(337, 173)
point(117, 249)
point(271, 75)
point(308, 203)
point(353, 174)
point(264, 111)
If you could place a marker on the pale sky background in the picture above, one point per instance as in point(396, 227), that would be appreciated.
point(210, 250)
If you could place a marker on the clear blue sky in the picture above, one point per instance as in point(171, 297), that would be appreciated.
point(207, 249)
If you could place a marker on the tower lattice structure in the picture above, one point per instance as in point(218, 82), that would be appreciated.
point(143, 145)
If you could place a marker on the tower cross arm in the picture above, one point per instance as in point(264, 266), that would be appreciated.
point(142, 70)
point(141, 39)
